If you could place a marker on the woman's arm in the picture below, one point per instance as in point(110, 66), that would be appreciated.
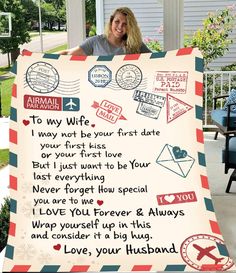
point(78, 51)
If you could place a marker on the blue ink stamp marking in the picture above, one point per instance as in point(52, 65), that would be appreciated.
point(150, 105)
point(100, 76)
point(176, 160)
point(42, 77)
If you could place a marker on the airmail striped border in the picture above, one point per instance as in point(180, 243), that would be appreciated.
point(201, 160)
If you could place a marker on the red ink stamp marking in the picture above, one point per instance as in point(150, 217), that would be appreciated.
point(176, 108)
point(108, 111)
point(205, 252)
point(170, 82)
point(42, 103)
point(176, 198)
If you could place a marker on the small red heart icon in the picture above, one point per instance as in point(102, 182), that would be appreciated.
point(99, 202)
point(109, 111)
point(93, 125)
point(57, 247)
point(26, 122)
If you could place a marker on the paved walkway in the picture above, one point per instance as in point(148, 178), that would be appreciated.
point(4, 133)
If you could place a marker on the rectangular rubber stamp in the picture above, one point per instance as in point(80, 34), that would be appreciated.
point(170, 82)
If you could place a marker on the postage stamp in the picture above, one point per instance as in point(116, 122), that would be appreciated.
point(205, 252)
point(176, 198)
point(108, 111)
point(42, 77)
point(176, 108)
point(129, 76)
point(170, 82)
point(51, 103)
point(99, 76)
point(150, 105)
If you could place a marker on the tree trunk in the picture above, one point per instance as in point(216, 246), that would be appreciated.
point(14, 54)
point(8, 59)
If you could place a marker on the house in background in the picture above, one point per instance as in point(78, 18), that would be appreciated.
point(149, 14)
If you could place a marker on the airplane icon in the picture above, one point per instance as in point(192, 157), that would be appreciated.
point(71, 104)
point(206, 252)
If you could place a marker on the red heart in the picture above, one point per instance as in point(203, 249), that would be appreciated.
point(109, 111)
point(26, 122)
point(57, 247)
point(99, 202)
point(93, 125)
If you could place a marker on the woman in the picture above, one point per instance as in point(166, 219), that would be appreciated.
point(122, 36)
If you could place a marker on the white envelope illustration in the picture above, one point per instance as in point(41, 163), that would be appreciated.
point(175, 160)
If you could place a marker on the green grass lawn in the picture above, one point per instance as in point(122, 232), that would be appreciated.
point(4, 70)
point(4, 157)
point(58, 48)
point(6, 86)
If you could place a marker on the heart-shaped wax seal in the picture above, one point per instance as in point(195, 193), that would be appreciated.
point(178, 153)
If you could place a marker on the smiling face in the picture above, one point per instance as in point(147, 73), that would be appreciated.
point(119, 26)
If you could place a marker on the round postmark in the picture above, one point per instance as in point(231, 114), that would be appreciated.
point(205, 252)
point(42, 77)
point(129, 76)
point(99, 76)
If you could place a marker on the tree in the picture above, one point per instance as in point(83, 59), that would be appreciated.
point(19, 34)
point(32, 12)
point(4, 223)
point(54, 11)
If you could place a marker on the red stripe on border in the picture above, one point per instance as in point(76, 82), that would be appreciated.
point(13, 136)
point(14, 90)
point(200, 136)
point(12, 229)
point(26, 52)
point(80, 268)
point(13, 183)
point(199, 88)
point(184, 51)
point(204, 181)
point(141, 268)
point(78, 58)
point(215, 227)
point(20, 268)
point(130, 57)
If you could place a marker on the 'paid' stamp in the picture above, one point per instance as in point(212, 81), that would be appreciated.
point(170, 82)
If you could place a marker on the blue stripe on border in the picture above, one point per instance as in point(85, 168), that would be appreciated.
point(209, 204)
point(199, 112)
point(223, 250)
point(50, 268)
point(202, 159)
point(175, 267)
point(13, 159)
point(105, 58)
point(13, 205)
point(110, 268)
point(199, 64)
point(14, 68)
point(9, 252)
point(51, 56)
point(13, 114)
point(156, 55)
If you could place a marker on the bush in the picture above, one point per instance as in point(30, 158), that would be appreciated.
point(4, 222)
point(213, 39)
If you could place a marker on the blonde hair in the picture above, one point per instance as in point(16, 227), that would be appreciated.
point(133, 37)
